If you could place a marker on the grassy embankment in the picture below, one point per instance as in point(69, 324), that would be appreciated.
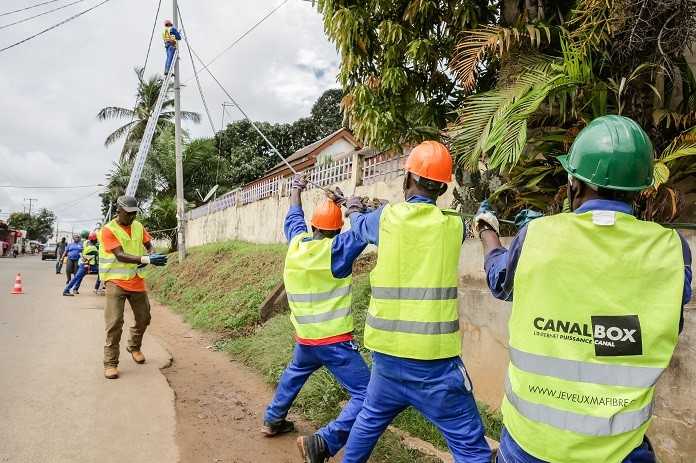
point(220, 289)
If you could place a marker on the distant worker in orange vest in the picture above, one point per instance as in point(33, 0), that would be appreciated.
point(171, 36)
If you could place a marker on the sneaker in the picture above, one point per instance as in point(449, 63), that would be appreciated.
point(67, 293)
point(313, 449)
point(75, 291)
point(279, 427)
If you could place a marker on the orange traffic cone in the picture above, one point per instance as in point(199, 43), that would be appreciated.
point(18, 285)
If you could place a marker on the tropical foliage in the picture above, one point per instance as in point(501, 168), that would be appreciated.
point(146, 99)
point(510, 83)
point(39, 226)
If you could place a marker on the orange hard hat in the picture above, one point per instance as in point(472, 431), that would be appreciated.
point(431, 160)
point(327, 216)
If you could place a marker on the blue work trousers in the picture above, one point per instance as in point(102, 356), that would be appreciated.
point(511, 452)
point(170, 57)
point(344, 362)
point(439, 389)
point(76, 280)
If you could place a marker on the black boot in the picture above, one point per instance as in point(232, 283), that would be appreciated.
point(279, 427)
point(313, 449)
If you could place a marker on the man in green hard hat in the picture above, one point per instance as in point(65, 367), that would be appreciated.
point(597, 308)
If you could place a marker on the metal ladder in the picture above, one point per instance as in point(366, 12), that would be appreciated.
point(146, 141)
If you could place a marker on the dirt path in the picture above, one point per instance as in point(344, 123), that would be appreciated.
point(219, 402)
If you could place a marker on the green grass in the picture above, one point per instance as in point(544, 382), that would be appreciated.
point(221, 288)
point(222, 285)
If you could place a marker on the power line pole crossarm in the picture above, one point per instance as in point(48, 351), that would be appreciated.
point(180, 209)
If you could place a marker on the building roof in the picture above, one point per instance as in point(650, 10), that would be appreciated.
point(305, 153)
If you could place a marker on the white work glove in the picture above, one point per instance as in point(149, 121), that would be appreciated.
point(485, 216)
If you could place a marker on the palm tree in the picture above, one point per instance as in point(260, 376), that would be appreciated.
point(148, 92)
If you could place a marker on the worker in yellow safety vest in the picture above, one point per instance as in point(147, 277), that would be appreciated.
point(125, 248)
point(597, 308)
point(317, 276)
point(413, 322)
point(170, 36)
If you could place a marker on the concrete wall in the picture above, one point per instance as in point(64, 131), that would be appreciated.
point(262, 221)
point(483, 320)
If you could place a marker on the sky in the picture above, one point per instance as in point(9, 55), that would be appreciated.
point(52, 87)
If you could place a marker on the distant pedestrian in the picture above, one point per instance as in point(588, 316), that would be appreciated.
point(170, 36)
point(125, 245)
point(72, 252)
point(60, 251)
point(88, 261)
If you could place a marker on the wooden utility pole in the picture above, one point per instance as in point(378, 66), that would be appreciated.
point(180, 208)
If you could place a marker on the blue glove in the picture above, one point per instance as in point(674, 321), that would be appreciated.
point(299, 182)
point(485, 207)
point(525, 216)
point(158, 260)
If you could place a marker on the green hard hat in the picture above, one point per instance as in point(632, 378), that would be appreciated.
point(84, 234)
point(612, 152)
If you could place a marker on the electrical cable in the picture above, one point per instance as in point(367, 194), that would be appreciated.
point(239, 39)
point(75, 16)
point(24, 187)
point(5, 26)
point(246, 116)
point(7, 13)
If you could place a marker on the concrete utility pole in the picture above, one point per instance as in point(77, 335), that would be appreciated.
point(31, 201)
point(180, 210)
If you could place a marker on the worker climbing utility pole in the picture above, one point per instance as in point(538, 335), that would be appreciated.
point(181, 220)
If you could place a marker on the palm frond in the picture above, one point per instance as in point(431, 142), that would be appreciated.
point(114, 112)
point(119, 133)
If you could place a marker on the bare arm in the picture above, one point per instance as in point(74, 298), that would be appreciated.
point(121, 256)
point(490, 241)
point(296, 197)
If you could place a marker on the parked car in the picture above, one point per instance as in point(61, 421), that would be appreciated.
point(49, 252)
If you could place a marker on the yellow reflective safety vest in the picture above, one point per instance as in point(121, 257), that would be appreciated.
point(86, 258)
point(168, 37)
point(109, 267)
point(413, 308)
point(320, 304)
point(594, 323)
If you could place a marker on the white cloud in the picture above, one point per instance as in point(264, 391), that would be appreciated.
point(53, 86)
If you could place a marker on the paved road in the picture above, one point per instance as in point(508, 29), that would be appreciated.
point(55, 405)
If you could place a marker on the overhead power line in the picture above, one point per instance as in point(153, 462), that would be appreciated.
point(75, 16)
point(241, 37)
point(7, 13)
point(5, 26)
point(25, 187)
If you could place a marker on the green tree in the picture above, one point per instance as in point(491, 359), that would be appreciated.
point(394, 63)
point(39, 226)
point(132, 131)
point(326, 112)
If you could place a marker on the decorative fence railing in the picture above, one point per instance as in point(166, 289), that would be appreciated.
point(375, 167)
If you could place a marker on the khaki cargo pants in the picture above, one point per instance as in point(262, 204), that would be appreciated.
point(113, 317)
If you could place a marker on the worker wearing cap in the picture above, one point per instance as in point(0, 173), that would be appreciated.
point(170, 36)
point(597, 308)
point(88, 260)
point(125, 245)
point(317, 277)
point(413, 322)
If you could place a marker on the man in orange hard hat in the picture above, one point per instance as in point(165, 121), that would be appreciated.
point(412, 325)
point(317, 278)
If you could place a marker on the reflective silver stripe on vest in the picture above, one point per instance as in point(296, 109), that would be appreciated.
point(416, 294)
point(403, 326)
point(585, 372)
point(318, 297)
point(577, 422)
point(107, 260)
point(322, 317)
point(119, 271)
